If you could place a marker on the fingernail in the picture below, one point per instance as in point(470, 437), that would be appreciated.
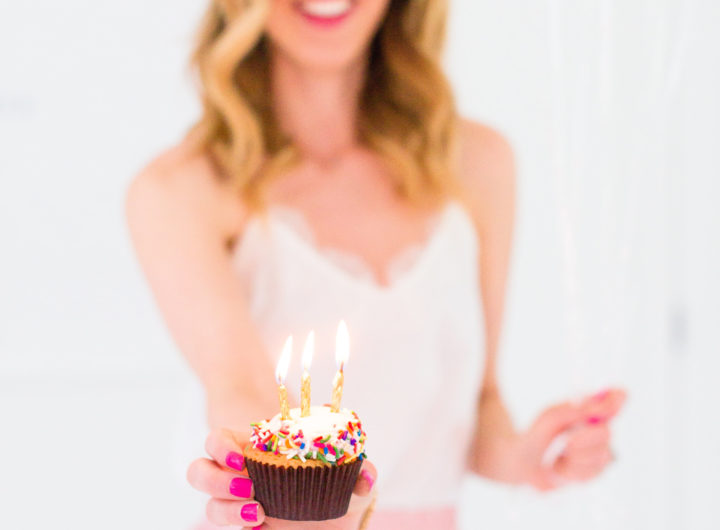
point(368, 478)
point(241, 487)
point(601, 395)
point(594, 420)
point(235, 461)
point(249, 512)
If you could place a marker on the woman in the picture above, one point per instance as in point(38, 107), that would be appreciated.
point(332, 117)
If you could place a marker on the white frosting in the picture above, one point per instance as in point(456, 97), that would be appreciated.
point(302, 432)
point(321, 422)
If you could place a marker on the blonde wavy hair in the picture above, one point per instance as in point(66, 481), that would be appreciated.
point(406, 108)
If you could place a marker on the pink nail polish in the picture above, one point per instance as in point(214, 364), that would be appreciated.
point(249, 512)
point(241, 487)
point(601, 395)
point(367, 477)
point(235, 461)
point(594, 420)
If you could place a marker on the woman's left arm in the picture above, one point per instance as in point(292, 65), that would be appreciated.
point(499, 451)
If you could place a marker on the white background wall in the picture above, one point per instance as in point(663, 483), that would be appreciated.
point(612, 108)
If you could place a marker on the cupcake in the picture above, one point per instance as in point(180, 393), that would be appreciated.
point(304, 469)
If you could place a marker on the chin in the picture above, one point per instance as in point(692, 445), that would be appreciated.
point(321, 59)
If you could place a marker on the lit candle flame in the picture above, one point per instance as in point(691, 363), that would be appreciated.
point(283, 364)
point(307, 356)
point(342, 345)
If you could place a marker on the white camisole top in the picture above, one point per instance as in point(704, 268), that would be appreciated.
point(416, 345)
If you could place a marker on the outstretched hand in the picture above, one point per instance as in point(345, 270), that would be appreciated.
point(578, 434)
point(223, 476)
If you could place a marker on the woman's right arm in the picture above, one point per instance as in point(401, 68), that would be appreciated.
point(182, 220)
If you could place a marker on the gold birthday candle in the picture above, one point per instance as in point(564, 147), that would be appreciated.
point(280, 374)
point(342, 352)
point(307, 358)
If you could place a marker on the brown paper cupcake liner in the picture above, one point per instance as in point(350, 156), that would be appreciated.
point(311, 493)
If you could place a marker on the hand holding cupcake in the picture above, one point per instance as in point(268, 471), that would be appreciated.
point(303, 464)
point(234, 500)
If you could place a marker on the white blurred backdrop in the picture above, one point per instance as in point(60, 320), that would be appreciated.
point(613, 110)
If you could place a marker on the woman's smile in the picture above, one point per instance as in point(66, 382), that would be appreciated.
point(325, 12)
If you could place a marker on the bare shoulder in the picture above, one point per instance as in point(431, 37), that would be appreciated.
point(487, 170)
point(486, 157)
point(182, 183)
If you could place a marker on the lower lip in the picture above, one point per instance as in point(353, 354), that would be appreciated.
point(325, 21)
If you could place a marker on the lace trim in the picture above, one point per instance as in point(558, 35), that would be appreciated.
point(400, 264)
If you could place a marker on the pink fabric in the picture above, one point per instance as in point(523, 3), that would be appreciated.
point(415, 520)
point(392, 520)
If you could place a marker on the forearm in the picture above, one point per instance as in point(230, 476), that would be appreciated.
point(234, 406)
point(495, 450)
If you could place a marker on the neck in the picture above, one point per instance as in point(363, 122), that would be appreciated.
point(317, 108)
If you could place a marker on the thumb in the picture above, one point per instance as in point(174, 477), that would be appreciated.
point(365, 479)
point(552, 422)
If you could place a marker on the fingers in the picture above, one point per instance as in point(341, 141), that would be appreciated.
point(241, 513)
point(592, 436)
point(599, 455)
point(599, 458)
point(586, 454)
point(366, 479)
point(594, 410)
point(582, 465)
point(572, 466)
point(207, 476)
point(552, 422)
point(604, 405)
point(225, 479)
point(225, 448)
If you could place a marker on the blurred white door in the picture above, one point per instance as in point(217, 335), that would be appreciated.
point(613, 110)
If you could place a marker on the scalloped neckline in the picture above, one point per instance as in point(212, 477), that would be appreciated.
point(405, 264)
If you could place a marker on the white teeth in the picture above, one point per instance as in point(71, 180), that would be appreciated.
point(329, 9)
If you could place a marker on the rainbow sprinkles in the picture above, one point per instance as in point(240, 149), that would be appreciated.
point(331, 437)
